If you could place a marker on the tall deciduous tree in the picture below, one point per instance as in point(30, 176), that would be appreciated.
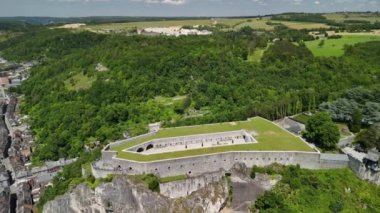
point(356, 121)
point(370, 138)
point(322, 131)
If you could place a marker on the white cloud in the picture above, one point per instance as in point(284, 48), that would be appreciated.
point(260, 2)
point(296, 2)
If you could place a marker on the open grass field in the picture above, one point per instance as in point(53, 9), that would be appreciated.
point(335, 47)
point(233, 23)
point(262, 24)
point(256, 55)
point(340, 17)
point(255, 24)
point(303, 25)
point(79, 81)
point(171, 23)
point(270, 138)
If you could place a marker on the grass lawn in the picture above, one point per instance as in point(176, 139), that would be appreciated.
point(335, 47)
point(302, 118)
point(257, 55)
point(342, 127)
point(79, 81)
point(270, 138)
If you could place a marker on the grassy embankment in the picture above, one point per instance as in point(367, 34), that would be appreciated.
point(270, 138)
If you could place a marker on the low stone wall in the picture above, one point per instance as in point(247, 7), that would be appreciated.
point(183, 188)
point(333, 161)
point(196, 165)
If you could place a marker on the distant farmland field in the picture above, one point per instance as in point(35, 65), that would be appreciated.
point(335, 47)
point(339, 17)
point(171, 23)
point(233, 23)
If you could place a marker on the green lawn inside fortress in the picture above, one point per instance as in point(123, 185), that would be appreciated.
point(270, 138)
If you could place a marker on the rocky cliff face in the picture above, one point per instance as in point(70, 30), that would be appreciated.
point(121, 195)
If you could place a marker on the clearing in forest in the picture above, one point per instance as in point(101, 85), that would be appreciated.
point(335, 47)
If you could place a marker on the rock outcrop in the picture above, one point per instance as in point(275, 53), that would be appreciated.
point(122, 195)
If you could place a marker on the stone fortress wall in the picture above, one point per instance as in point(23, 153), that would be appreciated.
point(356, 165)
point(207, 163)
point(195, 141)
point(196, 165)
point(183, 188)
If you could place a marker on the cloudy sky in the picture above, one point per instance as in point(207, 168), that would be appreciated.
point(64, 8)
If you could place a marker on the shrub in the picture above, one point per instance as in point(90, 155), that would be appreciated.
point(152, 181)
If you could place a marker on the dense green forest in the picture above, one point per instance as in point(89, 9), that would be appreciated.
point(180, 81)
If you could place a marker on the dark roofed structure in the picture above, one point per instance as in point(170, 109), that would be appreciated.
point(371, 160)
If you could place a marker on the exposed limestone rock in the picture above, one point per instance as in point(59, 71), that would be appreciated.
point(240, 170)
point(101, 68)
point(121, 195)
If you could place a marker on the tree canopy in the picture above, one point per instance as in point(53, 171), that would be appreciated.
point(321, 130)
point(369, 138)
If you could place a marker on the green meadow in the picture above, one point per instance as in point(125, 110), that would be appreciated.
point(335, 47)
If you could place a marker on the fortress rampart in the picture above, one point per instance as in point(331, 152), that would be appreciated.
point(196, 165)
point(207, 163)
